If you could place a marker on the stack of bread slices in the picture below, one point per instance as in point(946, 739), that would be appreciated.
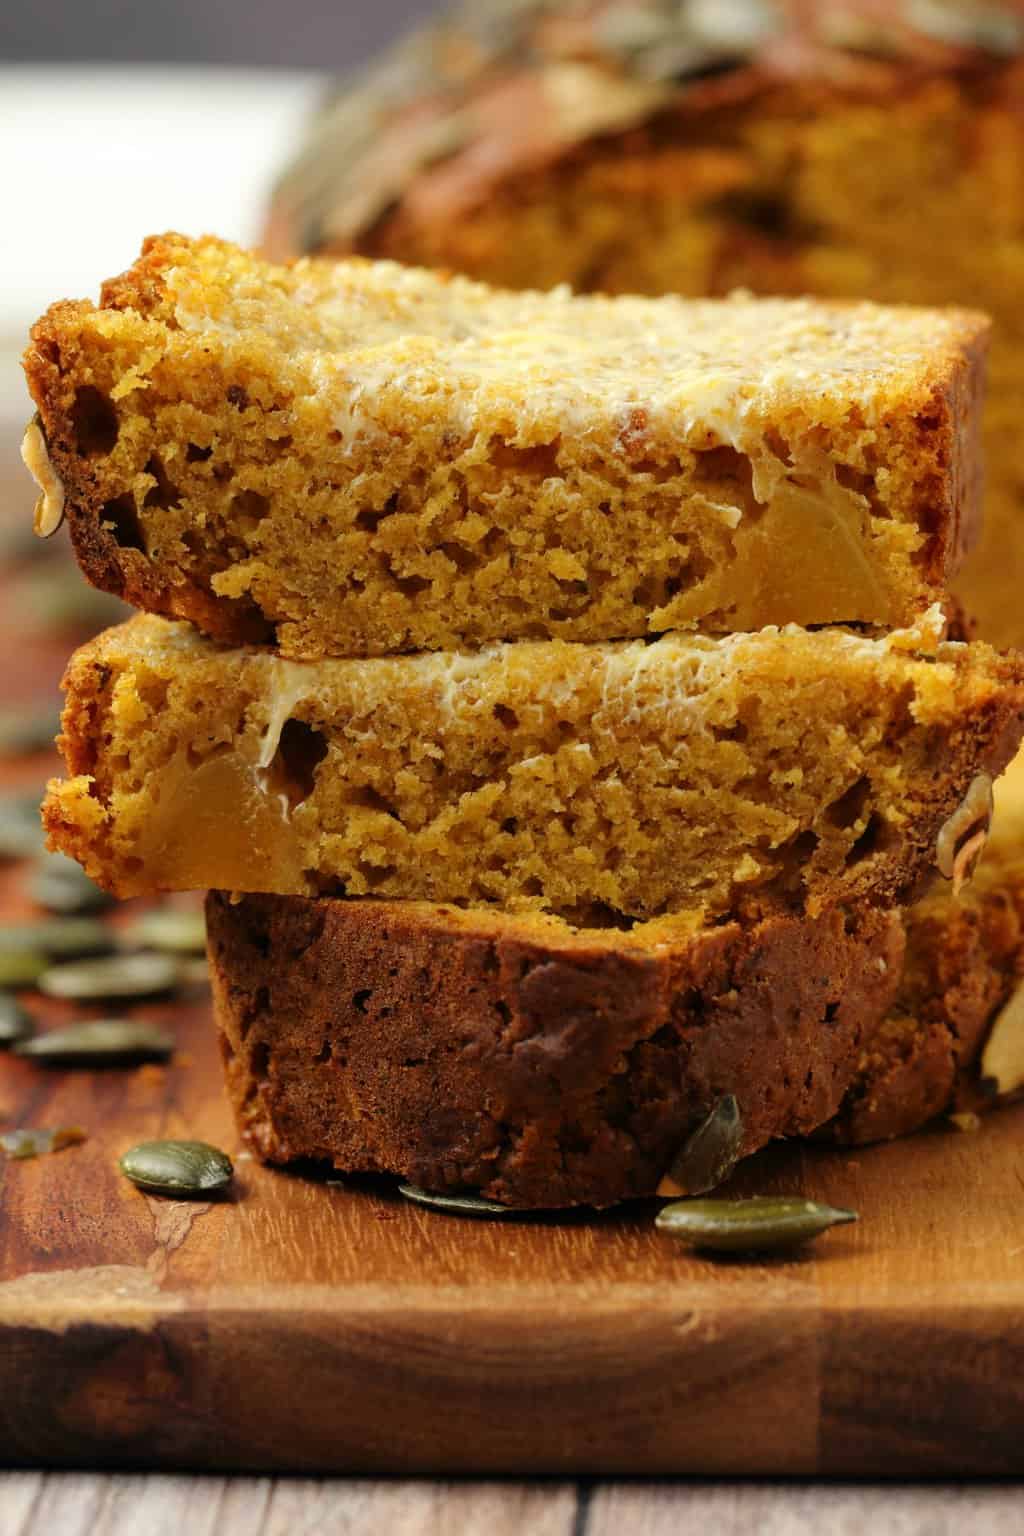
point(558, 696)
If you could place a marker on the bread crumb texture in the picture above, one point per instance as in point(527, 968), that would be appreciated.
point(779, 770)
point(362, 458)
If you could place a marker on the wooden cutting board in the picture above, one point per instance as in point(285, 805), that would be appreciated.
point(312, 1325)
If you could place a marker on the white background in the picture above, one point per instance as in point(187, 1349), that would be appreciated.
point(95, 159)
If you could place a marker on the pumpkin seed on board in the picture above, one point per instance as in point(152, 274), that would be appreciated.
point(98, 1043)
point(181, 1169)
point(24, 731)
point(16, 1023)
point(174, 930)
point(21, 830)
point(20, 542)
point(22, 966)
point(138, 975)
point(194, 971)
point(62, 938)
point(455, 1205)
point(707, 1157)
point(61, 885)
point(21, 1144)
point(58, 598)
point(762, 1224)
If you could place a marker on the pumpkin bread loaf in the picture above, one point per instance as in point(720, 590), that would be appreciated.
point(850, 150)
point(779, 771)
point(362, 459)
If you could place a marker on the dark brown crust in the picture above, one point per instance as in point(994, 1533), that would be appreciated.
point(483, 1053)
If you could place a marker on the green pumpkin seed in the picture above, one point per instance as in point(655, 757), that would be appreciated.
point(61, 885)
point(62, 938)
point(183, 1169)
point(21, 967)
point(708, 1157)
point(758, 1225)
point(19, 1144)
point(26, 731)
point(175, 930)
point(458, 1205)
point(99, 1043)
point(20, 542)
point(194, 971)
point(16, 1023)
point(58, 598)
point(21, 830)
point(141, 975)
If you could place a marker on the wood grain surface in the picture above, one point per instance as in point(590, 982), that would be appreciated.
point(68, 1504)
point(311, 1325)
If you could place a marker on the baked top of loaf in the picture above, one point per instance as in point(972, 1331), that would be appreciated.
point(363, 458)
point(491, 91)
point(781, 770)
point(510, 1056)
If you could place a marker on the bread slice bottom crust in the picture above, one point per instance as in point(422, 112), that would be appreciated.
point(535, 1064)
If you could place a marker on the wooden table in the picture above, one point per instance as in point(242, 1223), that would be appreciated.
point(89, 1504)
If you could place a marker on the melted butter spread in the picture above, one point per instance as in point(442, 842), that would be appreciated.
point(373, 335)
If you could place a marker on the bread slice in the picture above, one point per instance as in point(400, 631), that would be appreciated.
point(362, 459)
point(518, 1058)
point(860, 150)
point(778, 771)
point(953, 1040)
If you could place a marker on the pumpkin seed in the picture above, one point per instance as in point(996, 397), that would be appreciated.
point(59, 937)
point(21, 966)
point(22, 732)
point(19, 1144)
point(175, 930)
point(458, 1205)
point(21, 830)
point(761, 1224)
point(16, 1022)
point(178, 1168)
point(989, 27)
point(98, 1043)
point(61, 885)
point(194, 971)
point(20, 542)
point(141, 975)
point(708, 1157)
point(59, 599)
